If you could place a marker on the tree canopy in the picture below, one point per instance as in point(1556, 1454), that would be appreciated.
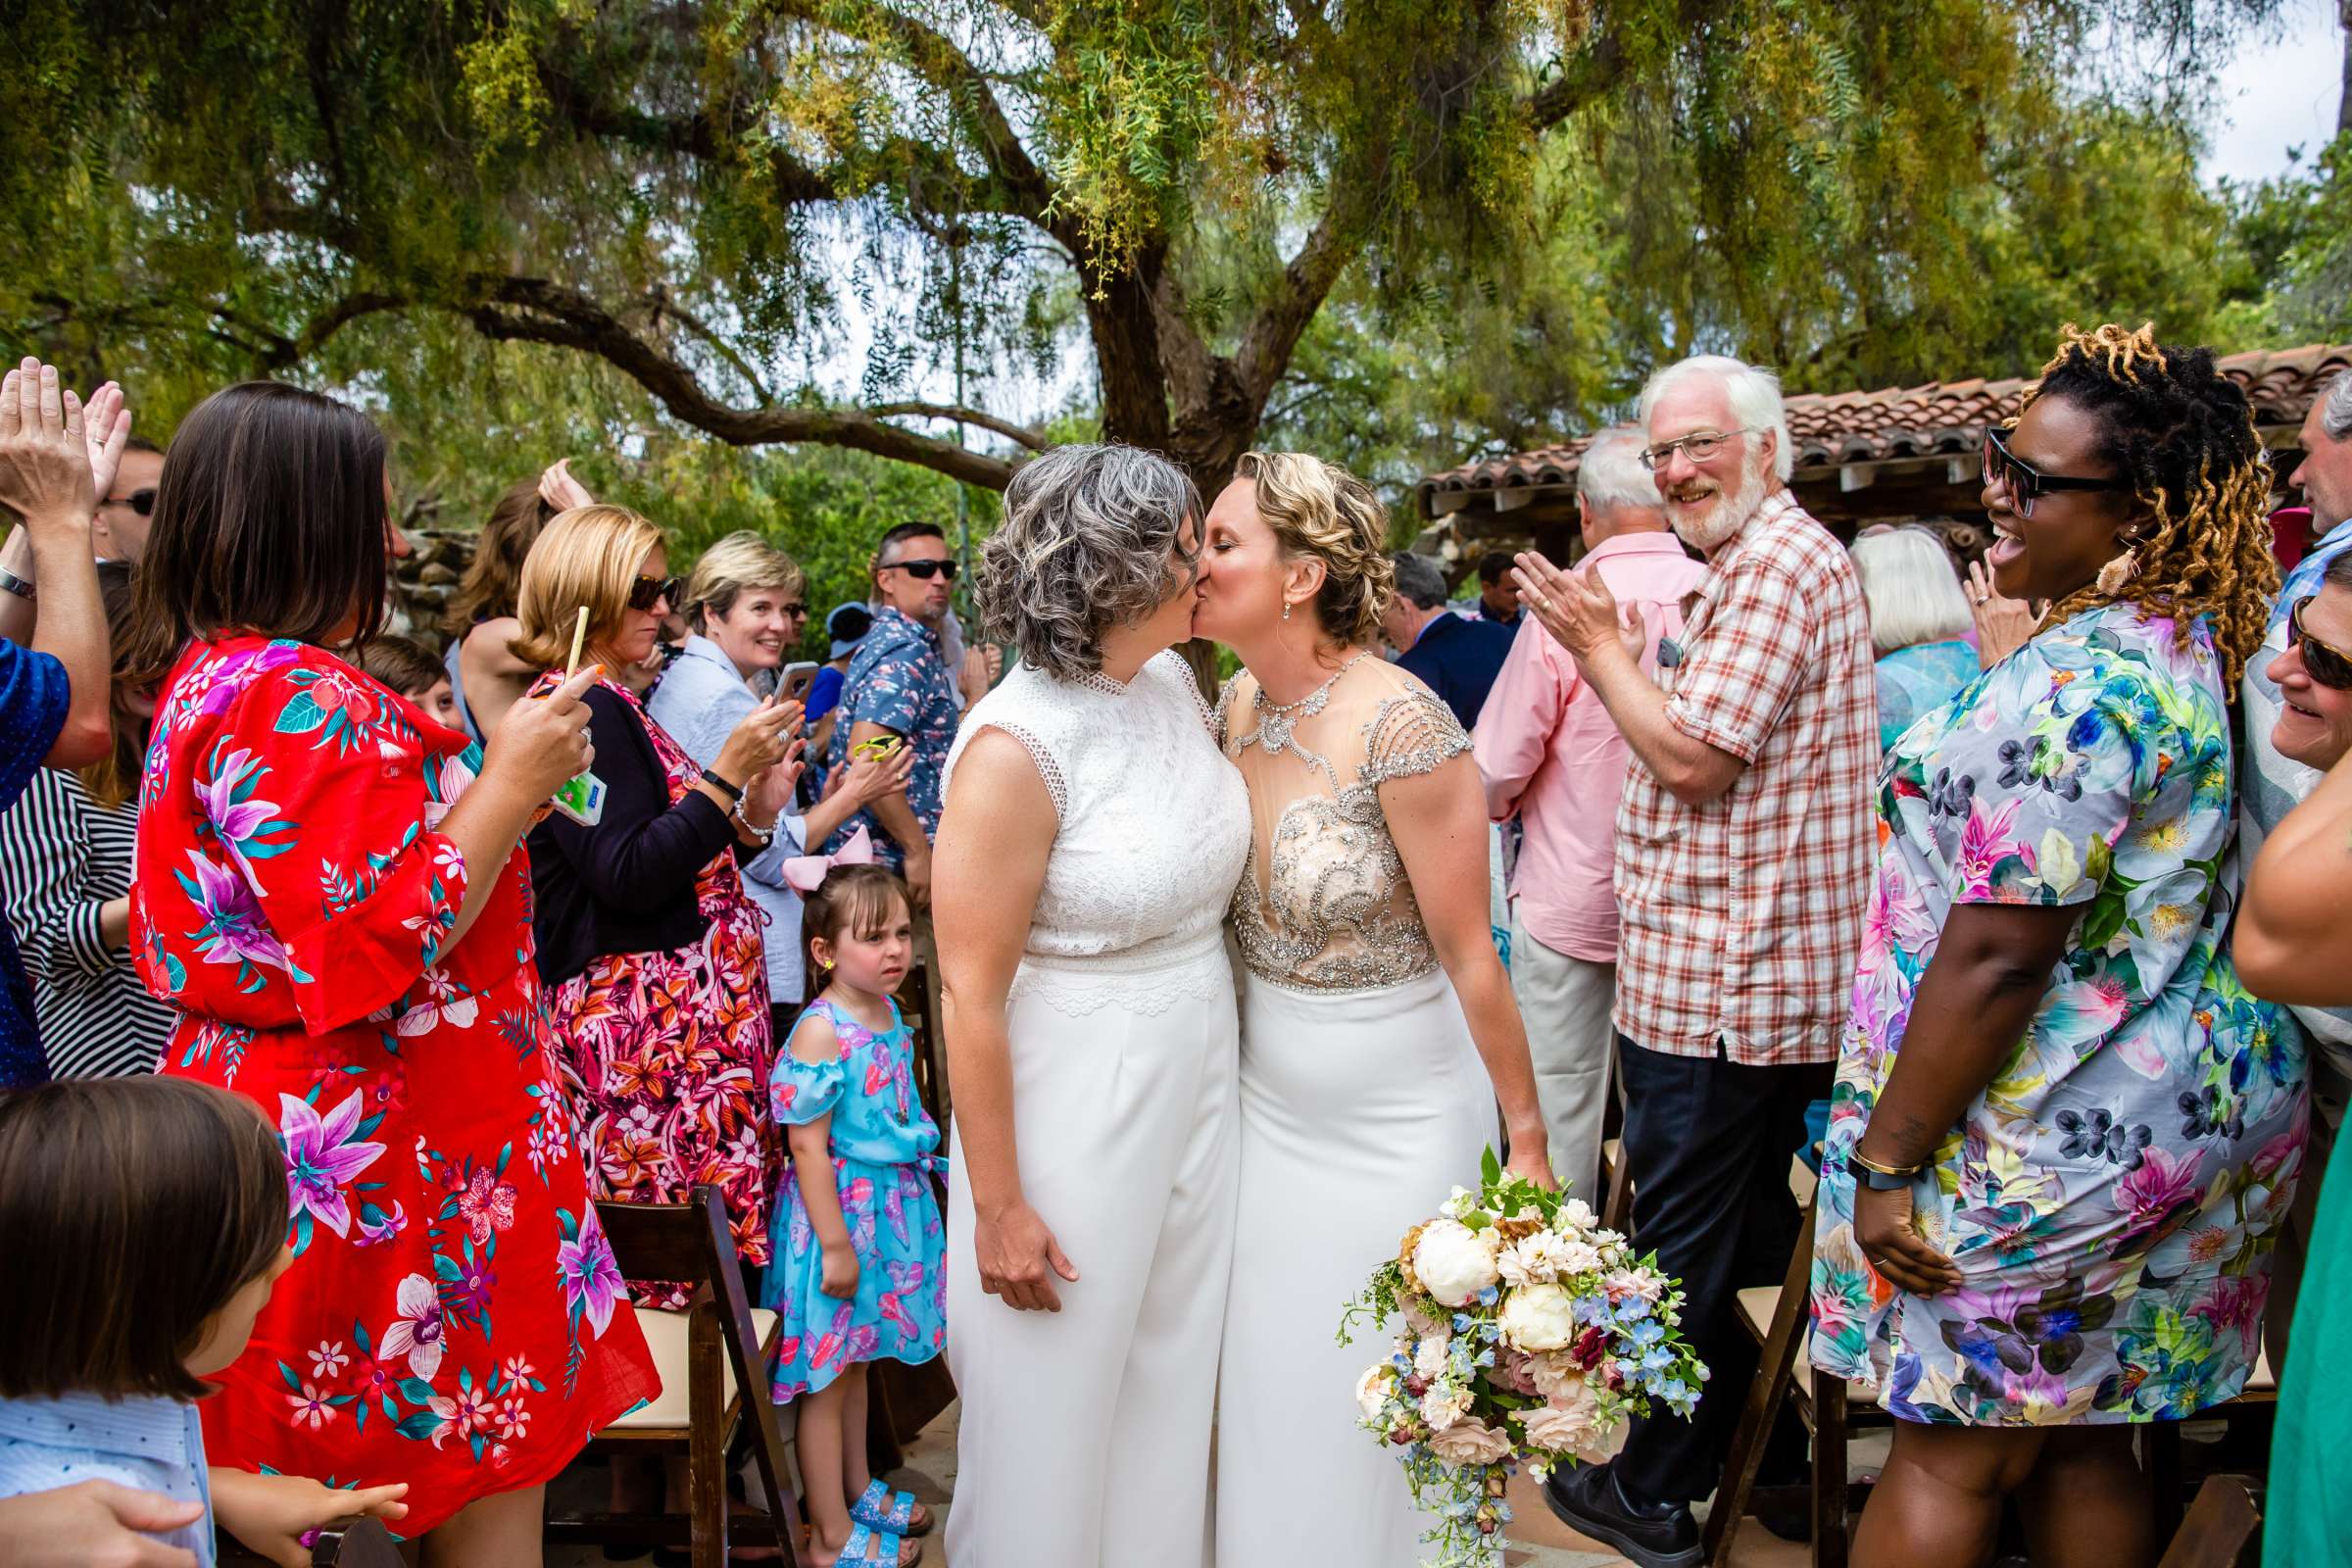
point(1395, 223)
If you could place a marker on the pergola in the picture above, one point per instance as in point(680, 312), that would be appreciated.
point(1861, 457)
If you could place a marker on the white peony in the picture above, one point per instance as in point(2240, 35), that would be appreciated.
point(1470, 1443)
point(1429, 1357)
point(1459, 1202)
point(1441, 1406)
point(1579, 1257)
point(1576, 1213)
point(1454, 1262)
point(1538, 1317)
point(1372, 1391)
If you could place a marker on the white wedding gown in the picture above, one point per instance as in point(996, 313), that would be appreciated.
point(1085, 1435)
point(1363, 1104)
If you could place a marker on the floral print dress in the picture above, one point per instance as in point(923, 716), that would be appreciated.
point(666, 1054)
point(452, 1317)
point(2112, 1196)
point(882, 1142)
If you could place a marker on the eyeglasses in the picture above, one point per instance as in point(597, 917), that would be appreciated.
point(646, 592)
point(2330, 667)
point(924, 571)
point(1698, 448)
point(140, 500)
point(2025, 482)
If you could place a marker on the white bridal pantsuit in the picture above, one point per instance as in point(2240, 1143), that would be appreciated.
point(1084, 1435)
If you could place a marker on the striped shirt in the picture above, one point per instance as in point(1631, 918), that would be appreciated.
point(61, 858)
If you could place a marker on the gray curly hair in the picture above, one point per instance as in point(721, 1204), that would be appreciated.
point(1086, 542)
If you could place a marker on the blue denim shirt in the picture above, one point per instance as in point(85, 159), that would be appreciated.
point(701, 700)
point(145, 1441)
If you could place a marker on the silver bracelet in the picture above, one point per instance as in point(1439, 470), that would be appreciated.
point(22, 587)
point(763, 835)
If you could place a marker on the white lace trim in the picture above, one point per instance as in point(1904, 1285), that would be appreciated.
point(1147, 981)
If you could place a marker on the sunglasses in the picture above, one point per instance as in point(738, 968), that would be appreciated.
point(2328, 666)
point(924, 571)
point(141, 502)
point(646, 592)
point(2025, 482)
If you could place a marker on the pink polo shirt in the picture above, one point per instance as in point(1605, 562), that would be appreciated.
point(1550, 754)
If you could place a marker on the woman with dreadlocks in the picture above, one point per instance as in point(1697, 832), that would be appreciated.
point(2063, 1134)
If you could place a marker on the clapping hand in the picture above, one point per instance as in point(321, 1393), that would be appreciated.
point(1578, 609)
point(982, 664)
point(105, 432)
point(769, 793)
point(45, 463)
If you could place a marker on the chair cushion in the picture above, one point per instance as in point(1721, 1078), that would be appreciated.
point(666, 1337)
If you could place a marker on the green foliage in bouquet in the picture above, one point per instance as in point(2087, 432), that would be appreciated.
point(1530, 1333)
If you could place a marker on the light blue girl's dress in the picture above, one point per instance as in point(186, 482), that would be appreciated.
point(882, 1142)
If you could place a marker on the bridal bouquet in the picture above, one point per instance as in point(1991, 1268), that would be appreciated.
point(1529, 1335)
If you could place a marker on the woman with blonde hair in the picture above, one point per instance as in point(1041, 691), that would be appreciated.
point(651, 952)
point(1378, 1030)
point(1919, 622)
point(746, 602)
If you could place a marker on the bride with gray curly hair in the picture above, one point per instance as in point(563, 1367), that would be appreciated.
point(1091, 836)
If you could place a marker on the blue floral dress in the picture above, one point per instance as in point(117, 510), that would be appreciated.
point(2112, 1196)
point(882, 1142)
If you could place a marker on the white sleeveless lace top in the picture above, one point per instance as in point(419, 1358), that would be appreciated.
point(1155, 820)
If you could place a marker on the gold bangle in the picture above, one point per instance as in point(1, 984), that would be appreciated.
point(1855, 1157)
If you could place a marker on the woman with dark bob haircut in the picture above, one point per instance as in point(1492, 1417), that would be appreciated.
point(329, 893)
point(1090, 838)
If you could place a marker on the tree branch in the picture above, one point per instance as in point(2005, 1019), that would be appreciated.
point(534, 309)
point(1034, 440)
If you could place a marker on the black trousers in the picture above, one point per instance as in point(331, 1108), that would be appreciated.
point(1707, 1142)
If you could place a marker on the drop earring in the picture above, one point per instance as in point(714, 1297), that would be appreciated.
point(2115, 576)
point(1285, 610)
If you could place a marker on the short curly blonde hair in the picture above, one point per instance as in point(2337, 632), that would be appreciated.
point(1319, 509)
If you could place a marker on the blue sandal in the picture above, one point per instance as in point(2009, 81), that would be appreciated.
point(897, 1518)
point(863, 1536)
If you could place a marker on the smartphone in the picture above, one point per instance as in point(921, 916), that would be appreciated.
point(801, 674)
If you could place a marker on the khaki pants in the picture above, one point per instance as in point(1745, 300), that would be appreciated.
point(1566, 1004)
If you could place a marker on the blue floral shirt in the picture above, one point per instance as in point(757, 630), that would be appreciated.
point(33, 698)
point(900, 680)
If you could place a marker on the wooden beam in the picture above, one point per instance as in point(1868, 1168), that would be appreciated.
point(1853, 477)
point(1513, 497)
point(1444, 503)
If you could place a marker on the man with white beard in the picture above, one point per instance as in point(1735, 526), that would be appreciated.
point(1744, 839)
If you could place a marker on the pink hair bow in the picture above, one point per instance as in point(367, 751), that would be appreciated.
point(805, 873)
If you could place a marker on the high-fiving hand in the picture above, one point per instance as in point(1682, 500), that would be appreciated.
point(45, 459)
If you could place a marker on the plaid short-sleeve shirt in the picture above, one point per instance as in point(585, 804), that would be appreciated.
point(1741, 918)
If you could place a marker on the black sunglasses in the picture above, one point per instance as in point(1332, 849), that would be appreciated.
point(2331, 668)
point(2025, 482)
point(141, 502)
point(645, 591)
point(924, 571)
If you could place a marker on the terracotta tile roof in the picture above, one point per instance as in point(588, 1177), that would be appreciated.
point(1942, 417)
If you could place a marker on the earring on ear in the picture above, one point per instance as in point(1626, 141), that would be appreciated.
point(2115, 576)
point(1285, 610)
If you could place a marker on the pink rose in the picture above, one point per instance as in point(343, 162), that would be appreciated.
point(1553, 1371)
point(1468, 1442)
point(1572, 1432)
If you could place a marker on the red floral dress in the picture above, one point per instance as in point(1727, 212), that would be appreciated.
point(666, 1054)
point(453, 1315)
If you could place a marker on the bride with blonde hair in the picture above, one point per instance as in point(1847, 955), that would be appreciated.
point(1378, 1031)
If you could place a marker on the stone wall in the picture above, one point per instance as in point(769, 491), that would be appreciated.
point(421, 585)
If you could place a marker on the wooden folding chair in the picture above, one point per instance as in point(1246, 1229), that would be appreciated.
point(713, 1363)
point(356, 1544)
point(2222, 1525)
point(1829, 1406)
